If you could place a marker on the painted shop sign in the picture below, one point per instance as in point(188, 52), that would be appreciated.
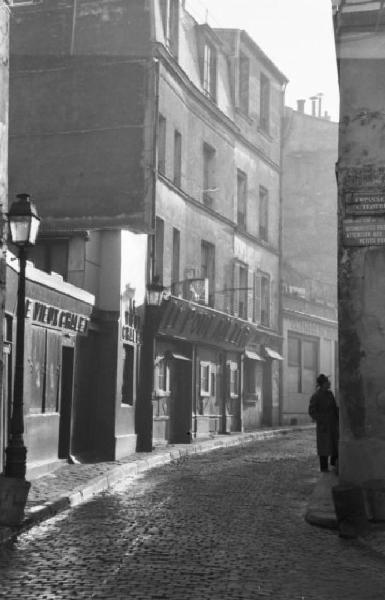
point(364, 232)
point(365, 176)
point(197, 325)
point(55, 317)
point(365, 203)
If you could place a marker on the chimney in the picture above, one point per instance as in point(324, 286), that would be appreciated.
point(320, 105)
point(313, 105)
point(301, 106)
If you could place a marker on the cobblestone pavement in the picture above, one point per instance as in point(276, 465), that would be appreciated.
point(227, 525)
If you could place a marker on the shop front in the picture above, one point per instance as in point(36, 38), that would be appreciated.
point(55, 382)
point(207, 381)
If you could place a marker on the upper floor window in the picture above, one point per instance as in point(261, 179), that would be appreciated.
point(177, 158)
point(264, 103)
point(159, 249)
point(263, 213)
point(208, 175)
point(244, 83)
point(208, 267)
point(175, 267)
point(170, 19)
point(265, 300)
point(210, 70)
point(241, 198)
point(162, 145)
point(243, 291)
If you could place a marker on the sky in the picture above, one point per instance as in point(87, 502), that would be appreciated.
point(297, 35)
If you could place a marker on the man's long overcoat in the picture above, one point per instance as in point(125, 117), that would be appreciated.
point(324, 411)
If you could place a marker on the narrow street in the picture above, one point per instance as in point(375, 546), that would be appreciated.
point(224, 525)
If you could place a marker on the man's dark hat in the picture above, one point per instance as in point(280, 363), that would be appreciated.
point(322, 379)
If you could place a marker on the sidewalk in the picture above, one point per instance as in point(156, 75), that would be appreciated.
point(72, 484)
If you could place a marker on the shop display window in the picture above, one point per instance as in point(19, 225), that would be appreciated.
point(233, 379)
point(162, 376)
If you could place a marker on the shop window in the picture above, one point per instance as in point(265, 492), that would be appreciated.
point(177, 158)
point(162, 145)
point(264, 103)
point(302, 359)
point(45, 363)
point(210, 71)
point(233, 379)
point(265, 300)
point(208, 268)
point(241, 199)
point(244, 83)
point(159, 249)
point(170, 19)
point(128, 375)
point(207, 379)
point(162, 376)
point(208, 175)
point(263, 213)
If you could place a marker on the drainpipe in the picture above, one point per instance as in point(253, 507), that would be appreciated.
point(280, 267)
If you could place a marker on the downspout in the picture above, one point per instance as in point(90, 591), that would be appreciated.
point(151, 239)
point(280, 266)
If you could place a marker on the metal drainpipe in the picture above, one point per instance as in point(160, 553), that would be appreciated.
point(280, 268)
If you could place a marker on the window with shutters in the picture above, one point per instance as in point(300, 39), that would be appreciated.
point(265, 300)
point(257, 299)
point(263, 213)
point(264, 103)
point(243, 291)
point(159, 249)
point(241, 199)
point(208, 268)
point(177, 159)
point(162, 145)
point(244, 83)
point(170, 19)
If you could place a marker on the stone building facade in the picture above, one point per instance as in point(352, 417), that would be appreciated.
point(309, 191)
point(138, 122)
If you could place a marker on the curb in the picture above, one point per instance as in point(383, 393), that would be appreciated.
point(105, 482)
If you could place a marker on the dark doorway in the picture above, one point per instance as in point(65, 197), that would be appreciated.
point(66, 391)
point(181, 411)
point(267, 408)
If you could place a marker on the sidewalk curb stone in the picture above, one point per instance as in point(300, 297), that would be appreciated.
point(132, 469)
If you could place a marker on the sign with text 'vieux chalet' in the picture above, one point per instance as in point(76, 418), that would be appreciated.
point(45, 314)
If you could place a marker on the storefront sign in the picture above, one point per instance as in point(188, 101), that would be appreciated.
point(364, 232)
point(199, 325)
point(365, 203)
point(55, 317)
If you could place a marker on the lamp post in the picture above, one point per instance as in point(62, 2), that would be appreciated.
point(154, 297)
point(23, 227)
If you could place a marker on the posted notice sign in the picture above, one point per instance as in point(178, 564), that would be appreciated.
point(367, 231)
point(365, 203)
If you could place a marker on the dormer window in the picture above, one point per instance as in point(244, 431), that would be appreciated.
point(210, 71)
point(244, 83)
point(170, 19)
point(264, 103)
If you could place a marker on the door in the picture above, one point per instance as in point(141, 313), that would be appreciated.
point(66, 393)
point(181, 415)
point(267, 407)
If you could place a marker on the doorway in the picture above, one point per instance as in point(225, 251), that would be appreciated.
point(181, 410)
point(66, 395)
point(267, 407)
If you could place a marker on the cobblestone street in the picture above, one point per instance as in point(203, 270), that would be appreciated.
point(224, 525)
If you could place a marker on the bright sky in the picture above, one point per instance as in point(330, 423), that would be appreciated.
point(296, 34)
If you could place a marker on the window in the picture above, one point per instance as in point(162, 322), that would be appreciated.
point(210, 71)
point(265, 300)
point(208, 268)
point(177, 159)
point(302, 360)
point(128, 375)
point(243, 272)
point(51, 255)
point(241, 199)
point(207, 379)
point(159, 249)
point(263, 213)
point(175, 267)
point(162, 145)
point(257, 299)
point(45, 363)
point(244, 83)
point(208, 175)
point(162, 376)
point(264, 103)
point(232, 375)
point(170, 20)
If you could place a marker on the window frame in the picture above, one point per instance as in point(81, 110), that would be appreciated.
point(265, 277)
point(242, 193)
point(161, 363)
point(244, 83)
point(210, 390)
point(264, 102)
point(210, 70)
point(263, 225)
point(301, 339)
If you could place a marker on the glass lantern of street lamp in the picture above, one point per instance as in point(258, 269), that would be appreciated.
point(154, 295)
point(23, 221)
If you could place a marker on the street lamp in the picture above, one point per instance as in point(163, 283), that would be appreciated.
point(23, 228)
point(154, 297)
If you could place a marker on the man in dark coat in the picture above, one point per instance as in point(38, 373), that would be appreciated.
point(324, 411)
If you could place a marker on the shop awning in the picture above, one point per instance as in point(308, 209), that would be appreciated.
point(253, 356)
point(178, 356)
point(273, 354)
